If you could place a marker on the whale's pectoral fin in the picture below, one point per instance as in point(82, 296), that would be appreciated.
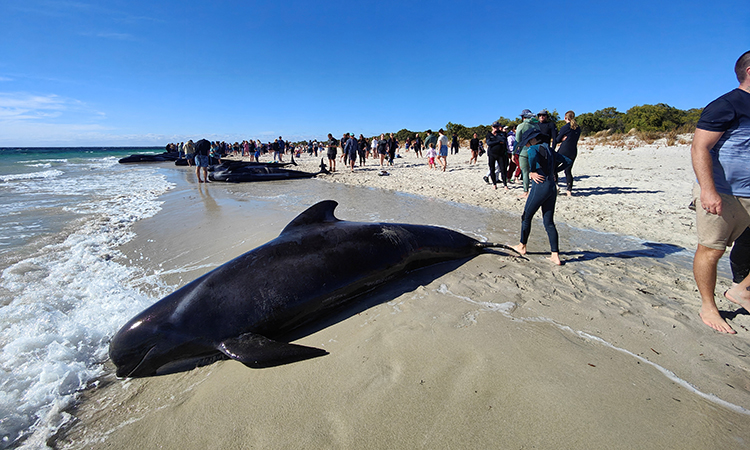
point(256, 351)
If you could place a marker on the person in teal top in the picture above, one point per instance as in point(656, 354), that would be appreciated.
point(530, 123)
point(543, 165)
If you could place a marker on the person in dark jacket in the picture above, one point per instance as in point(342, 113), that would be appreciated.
point(454, 145)
point(362, 151)
point(417, 145)
point(497, 154)
point(568, 140)
point(202, 149)
point(474, 147)
point(547, 128)
point(392, 146)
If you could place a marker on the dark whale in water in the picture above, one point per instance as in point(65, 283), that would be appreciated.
point(161, 157)
point(248, 172)
point(317, 264)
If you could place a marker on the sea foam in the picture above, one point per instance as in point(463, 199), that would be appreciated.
point(69, 299)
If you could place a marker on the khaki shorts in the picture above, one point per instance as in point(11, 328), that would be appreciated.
point(719, 232)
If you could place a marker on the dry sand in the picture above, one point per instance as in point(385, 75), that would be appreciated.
point(606, 351)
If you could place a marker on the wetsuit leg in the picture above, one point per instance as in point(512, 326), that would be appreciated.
point(739, 257)
point(548, 215)
point(491, 160)
point(504, 168)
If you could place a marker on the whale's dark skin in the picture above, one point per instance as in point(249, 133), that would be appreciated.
point(317, 264)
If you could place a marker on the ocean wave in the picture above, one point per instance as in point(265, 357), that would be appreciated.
point(66, 304)
point(43, 161)
point(46, 174)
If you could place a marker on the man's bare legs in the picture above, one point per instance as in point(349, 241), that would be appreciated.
point(704, 271)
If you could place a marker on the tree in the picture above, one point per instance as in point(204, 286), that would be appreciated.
point(403, 134)
point(659, 117)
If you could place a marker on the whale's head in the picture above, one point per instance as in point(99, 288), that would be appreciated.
point(153, 343)
point(135, 348)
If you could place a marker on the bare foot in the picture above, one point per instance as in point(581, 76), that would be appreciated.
point(524, 195)
point(520, 248)
point(555, 258)
point(568, 193)
point(739, 296)
point(713, 319)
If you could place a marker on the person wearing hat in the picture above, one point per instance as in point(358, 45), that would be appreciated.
point(530, 123)
point(543, 165)
point(497, 154)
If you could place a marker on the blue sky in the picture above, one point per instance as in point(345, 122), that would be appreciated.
point(132, 72)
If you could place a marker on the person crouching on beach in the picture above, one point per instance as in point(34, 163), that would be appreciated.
point(543, 165)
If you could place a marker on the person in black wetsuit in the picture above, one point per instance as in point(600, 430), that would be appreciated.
point(392, 146)
point(454, 145)
point(739, 257)
point(497, 153)
point(474, 147)
point(568, 140)
point(362, 151)
point(547, 128)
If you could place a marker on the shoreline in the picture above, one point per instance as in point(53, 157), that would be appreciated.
point(493, 349)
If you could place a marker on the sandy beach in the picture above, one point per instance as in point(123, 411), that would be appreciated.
point(606, 351)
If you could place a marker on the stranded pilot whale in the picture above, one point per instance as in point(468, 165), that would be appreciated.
point(238, 310)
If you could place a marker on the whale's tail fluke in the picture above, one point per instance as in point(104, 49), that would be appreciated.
point(484, 245)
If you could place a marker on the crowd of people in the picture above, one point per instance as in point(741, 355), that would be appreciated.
point(535, 151)
point(526, 153)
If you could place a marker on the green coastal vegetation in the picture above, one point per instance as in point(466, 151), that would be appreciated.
point(649, 122)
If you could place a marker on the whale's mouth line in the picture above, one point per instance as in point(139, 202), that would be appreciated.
point(140, 363)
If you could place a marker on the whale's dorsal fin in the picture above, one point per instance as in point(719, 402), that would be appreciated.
point(318, 213)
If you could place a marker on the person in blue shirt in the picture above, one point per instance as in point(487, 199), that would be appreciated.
point(721, 160)
point(543, 165)
point(350, 148)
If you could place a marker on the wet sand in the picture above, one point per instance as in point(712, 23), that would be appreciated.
point(606, 351)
